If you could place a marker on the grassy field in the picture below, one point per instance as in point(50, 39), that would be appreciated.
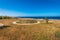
point(39, 31)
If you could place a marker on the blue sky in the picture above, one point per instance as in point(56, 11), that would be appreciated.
point(30, 7)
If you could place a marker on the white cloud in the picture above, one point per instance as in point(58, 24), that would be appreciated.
point(10, 13)
point(14, 13)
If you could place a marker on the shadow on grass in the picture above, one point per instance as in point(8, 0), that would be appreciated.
point(46, 23)
point(4, 27)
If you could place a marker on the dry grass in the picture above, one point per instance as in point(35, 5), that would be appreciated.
point(29, 32)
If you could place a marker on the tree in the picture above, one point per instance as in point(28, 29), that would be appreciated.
point(46, 20)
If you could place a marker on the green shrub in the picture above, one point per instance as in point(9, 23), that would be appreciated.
point(6, 17)
point(57, 34)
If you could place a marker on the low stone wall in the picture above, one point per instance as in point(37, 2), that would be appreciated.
point(27, 22)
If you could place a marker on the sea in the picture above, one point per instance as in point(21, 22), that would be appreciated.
point(43, 17)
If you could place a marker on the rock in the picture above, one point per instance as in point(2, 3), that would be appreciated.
point(1, 25)
point(14, 22)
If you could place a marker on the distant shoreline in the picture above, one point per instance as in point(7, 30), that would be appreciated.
point(50, 18)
